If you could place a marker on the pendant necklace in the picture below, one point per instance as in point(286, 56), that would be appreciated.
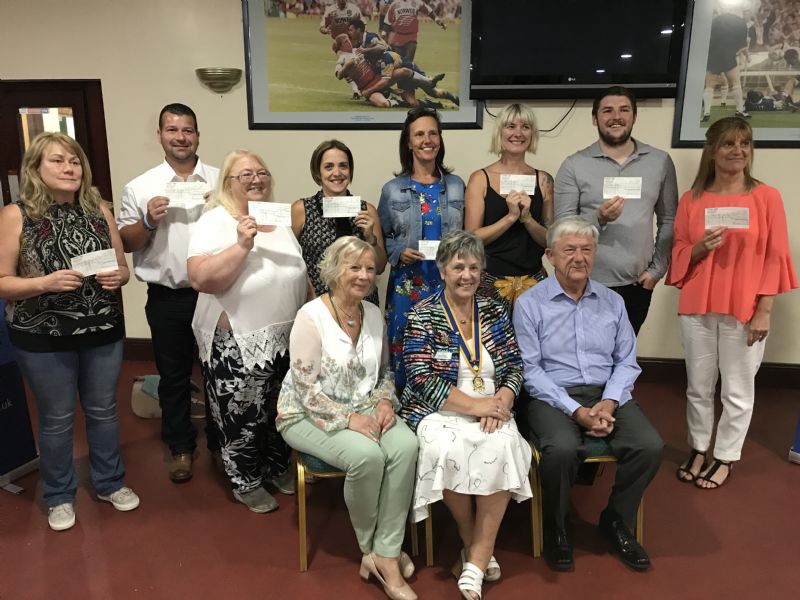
point(351, 321)
point(472, 356)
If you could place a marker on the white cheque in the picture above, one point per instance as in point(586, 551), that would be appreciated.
point(627, 187)
point(271, 213)
point(340, 206)
point(429, 248)
point(517, 183)
point(96, 262)
point(732, 217)
point(186, 194)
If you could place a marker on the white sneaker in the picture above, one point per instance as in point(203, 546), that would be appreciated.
point(61, 517)
point(794, 457)
point(123, 499)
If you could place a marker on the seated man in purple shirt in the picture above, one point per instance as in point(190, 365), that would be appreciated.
point(579, 354)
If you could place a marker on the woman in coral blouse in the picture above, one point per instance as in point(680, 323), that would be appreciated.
point(730, 258)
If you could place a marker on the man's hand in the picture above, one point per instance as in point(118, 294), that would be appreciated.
point(610, 210)
point(647, 281)
point(597, 421)
point(157, 209)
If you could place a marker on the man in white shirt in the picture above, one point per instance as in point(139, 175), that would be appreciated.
point(158, 235)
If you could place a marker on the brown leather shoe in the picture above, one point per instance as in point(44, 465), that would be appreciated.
point(180, 469)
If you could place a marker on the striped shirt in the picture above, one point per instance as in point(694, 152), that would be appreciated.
point(428, 334)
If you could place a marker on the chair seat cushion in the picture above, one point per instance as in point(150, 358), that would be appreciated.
point(316, 465)
point(596, 447)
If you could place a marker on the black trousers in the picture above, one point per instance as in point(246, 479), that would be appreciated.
point(637, 303)
point(634, 441)
point(169, 314)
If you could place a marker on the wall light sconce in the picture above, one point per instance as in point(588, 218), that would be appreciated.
point(219, 79)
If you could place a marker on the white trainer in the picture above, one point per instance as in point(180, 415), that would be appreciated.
point(61, 517)
point(123, 499)
point(794, 456)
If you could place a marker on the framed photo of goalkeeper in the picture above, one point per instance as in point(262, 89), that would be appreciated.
point(357, 64)
point(740, 58)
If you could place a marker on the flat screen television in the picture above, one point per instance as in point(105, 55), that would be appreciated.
point(571, 48)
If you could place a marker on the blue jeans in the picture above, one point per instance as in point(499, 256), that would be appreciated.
point(54, 379)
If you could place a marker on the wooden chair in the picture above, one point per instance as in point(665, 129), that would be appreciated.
point(309, 464)
point(598, 452)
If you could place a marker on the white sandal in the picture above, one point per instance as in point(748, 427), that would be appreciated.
point(492, 572)
point(471, 580)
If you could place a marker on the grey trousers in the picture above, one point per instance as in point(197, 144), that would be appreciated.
point(634, 441)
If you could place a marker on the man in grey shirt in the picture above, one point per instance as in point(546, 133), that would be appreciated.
point(629, 260)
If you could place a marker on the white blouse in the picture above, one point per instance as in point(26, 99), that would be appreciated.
point(262, 302)
point(330, 377)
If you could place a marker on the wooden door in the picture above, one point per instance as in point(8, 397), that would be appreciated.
point(74, 107)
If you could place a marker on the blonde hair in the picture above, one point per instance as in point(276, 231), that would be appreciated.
point(334, 260)
point(506, 116)
point(35, 197)
point(222, 195)
point(722, 131)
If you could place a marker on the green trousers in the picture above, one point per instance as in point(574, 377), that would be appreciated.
point(379, 482)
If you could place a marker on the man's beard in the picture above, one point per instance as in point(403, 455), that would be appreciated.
point(612, 141)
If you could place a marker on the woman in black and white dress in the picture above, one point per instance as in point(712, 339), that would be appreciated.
point(332, 169)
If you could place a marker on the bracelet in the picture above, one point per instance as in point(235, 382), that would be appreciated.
point(146, 224)
point(525, 218)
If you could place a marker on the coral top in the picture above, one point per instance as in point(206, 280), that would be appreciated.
point(750, 262)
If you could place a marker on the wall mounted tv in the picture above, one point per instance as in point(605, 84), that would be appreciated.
point(571, 48)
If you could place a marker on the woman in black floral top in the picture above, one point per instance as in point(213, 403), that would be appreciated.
point(64, 317)
point(332, 168)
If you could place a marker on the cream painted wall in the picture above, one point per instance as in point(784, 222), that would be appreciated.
point(145, 54)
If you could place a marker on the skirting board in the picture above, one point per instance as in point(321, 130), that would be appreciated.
point(654, 370)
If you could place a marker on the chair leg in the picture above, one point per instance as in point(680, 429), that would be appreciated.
point(537, 534)
point(301, 514)
point(414, 536)
point(640, 522)
point(429, 539)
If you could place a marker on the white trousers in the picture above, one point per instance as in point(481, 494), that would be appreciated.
point(714, 345)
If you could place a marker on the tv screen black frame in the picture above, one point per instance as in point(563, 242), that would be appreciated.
point(545, 86)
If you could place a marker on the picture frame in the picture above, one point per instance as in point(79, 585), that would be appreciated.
point(765, 70)
point(292, 84)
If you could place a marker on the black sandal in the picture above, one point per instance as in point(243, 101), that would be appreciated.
point(685, 468)
point(710, 473)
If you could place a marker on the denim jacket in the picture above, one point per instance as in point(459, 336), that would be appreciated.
point(401, 218)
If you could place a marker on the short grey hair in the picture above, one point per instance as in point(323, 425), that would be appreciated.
point(572, 225)
point(333, 261)
point(460, 243)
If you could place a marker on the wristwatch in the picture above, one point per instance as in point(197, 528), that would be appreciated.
point(525, 218)
point(146, 224)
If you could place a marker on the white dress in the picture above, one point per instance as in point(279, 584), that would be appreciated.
point(454, 454)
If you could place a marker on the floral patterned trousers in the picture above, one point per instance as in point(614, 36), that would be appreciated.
point(243, 406)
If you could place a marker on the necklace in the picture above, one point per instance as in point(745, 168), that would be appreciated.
point(471, 355)
point(351, 320)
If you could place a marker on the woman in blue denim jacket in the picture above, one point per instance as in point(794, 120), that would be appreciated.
point(423, 203)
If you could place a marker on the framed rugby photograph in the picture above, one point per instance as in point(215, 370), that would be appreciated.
point(357, 64)
point(740, 58)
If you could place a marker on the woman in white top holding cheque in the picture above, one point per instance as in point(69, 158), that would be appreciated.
point(237, 265)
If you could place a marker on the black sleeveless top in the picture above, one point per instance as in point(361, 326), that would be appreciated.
point(515, 252)
point(318, 233)
point(63, 321)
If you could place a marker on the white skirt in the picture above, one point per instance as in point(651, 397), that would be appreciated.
point(455, 455)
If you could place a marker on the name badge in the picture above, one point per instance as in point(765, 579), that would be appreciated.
point(443, 355)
